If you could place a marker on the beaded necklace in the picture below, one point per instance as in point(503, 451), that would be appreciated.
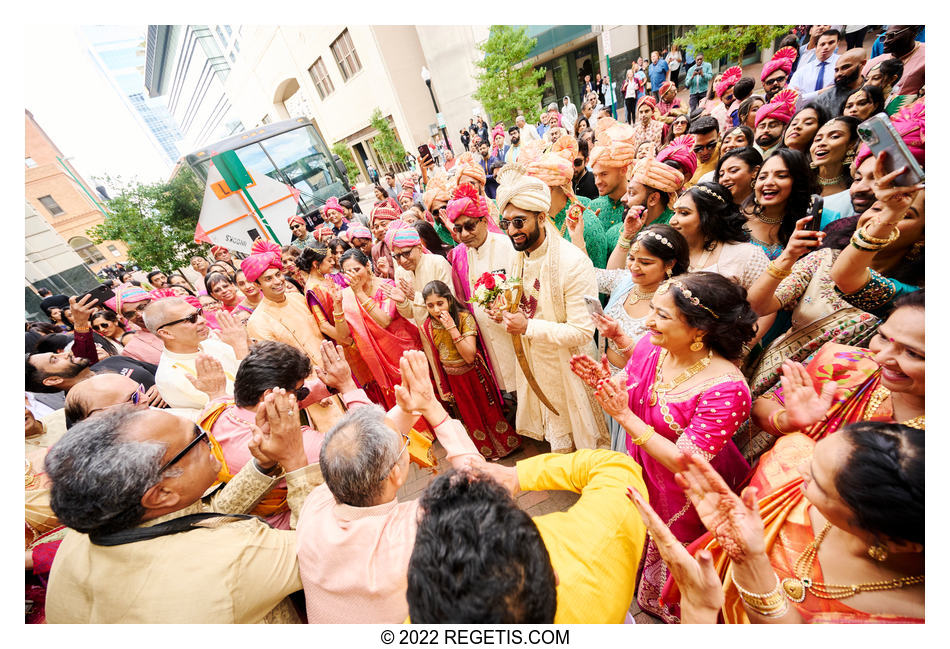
point(795, 587)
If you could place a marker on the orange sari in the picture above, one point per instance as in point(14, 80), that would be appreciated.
point(788, 531)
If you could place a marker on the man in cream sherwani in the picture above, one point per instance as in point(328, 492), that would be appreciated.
point(553, 320)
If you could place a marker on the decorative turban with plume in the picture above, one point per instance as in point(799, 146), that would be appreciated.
point(784, 59)
point(468, 167)
point(466, 202)
point(728, 80)
point(680, 150)
point(521, 190)
point(615, 145)
point(264, 256)
point(782, 107)
point(334, 205)
point(357, 231)
point(909, 124)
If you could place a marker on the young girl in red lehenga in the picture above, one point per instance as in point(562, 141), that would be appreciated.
point(451, 329)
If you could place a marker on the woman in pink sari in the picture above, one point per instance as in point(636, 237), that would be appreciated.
point(684, 395)
point(380, 332)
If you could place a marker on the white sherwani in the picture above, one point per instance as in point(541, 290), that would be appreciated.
point(495, 254)
point(173, 384)
point(560, 327)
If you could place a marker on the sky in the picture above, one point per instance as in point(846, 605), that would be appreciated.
point(81, 111)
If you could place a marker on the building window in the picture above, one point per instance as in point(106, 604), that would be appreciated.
point(321, 78)
point(345, 55)
point(30, 162)
point(86, 250)
point(115, 251)
point(51, 206)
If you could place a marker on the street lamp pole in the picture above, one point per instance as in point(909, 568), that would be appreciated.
point(428, 79)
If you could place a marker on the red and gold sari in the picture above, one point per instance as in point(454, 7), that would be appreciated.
point(320, 302)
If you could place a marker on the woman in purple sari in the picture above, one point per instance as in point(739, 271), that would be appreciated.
point(682, 394)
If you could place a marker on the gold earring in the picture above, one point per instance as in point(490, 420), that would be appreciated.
point(697, 344)
point(669, 273)
point(878, 552)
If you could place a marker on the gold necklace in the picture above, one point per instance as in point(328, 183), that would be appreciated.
point(795, 587)
point(659, 387)
point(703, 259)
point(769, 220)
point(877, 398)
point(638, 295)
point(830, 181)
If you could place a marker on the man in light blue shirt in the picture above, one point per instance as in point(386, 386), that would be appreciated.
point(697, 81)
point(818, 72)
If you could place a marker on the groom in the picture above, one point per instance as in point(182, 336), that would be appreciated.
point(553, 322)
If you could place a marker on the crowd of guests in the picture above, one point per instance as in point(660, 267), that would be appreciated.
point(720, 339)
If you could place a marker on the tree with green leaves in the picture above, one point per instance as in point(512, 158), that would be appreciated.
point(352, 171)
point(386, 144)
point(504, 86)
point(156, 221)
point(717, 41)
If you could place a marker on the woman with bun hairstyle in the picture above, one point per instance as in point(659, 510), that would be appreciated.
point(682, 394)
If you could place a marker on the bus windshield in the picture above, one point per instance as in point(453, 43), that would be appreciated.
point(295, 157)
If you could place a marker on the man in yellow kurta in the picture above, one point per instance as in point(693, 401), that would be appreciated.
point(578, 566)
point(552, 320)
point(284, 317)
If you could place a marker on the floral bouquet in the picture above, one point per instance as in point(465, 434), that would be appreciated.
point(491, 290)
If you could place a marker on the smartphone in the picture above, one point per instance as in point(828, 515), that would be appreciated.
point(880, 135)
point(593, 305)
point(101, 293)
point(424, 153)
point(814, 211)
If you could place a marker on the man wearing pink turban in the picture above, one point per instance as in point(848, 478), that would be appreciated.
point(284, 316)
point(130, 302)
point(381, 218)
point(771, 120)
point(360, 237)
point(334, 216)
point(469, 170)
point(481, 251)
point(724, 91)
point(647, 128)
point(776, 71)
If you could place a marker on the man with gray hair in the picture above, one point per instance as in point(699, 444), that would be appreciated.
point(527, 133)
point(354, 537)
point(145, 545)
point(185, 334)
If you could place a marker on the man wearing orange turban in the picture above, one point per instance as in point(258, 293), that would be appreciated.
point(556, 169)
point(610, 161)
point(435, 198)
